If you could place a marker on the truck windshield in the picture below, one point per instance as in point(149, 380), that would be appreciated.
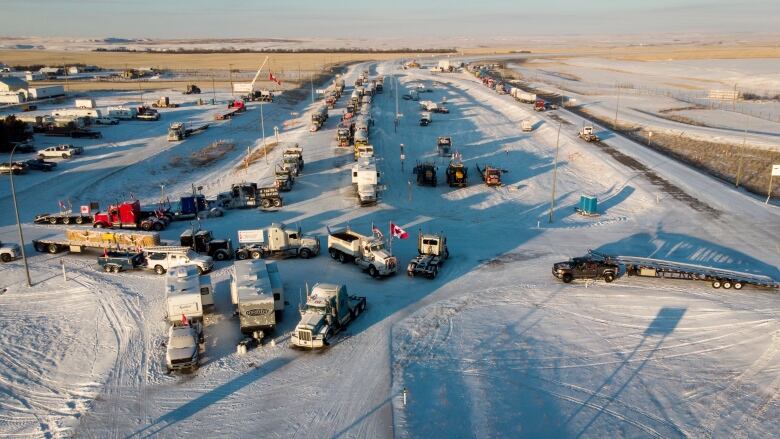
point(316, 307)
point(377, 247)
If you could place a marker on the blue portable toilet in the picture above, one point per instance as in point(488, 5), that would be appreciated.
point(588, 205)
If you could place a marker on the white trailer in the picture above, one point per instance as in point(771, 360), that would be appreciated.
point(77, 112)
point(45, 92)
point(187, 294)
point(256, 291)
point(124, 113)
point(367, 252)
point(85, 103)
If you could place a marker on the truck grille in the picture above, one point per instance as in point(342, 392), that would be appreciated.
point(181, 360)
point(304, 335)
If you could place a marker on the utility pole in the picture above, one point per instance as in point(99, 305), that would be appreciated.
point(555, 172)
point(213, 91)
point(742, 152)
point(617, 107)
point(18, 223)
point(311, 82)
point(230, 77)
point(262, 129)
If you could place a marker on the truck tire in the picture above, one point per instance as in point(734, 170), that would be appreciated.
point(53, 220)
point(64, 155)
point(372, 271)
point(5, 257)
point(277, 202)
point(333, 253)
point(343, 259)
point(738, 285)
point(716, 283)
point(53, 248)
point(727, 284)
point(410, 269)
point(434, 272)
point(66, 220)
point(567, 278)
point(79, 220)
point(256, 254)
point(220, 255)
point(609, 277)
point(305, 253)
point(97, 226)
point(157, 226)
point(146, 226)
point(40, 247)
point(159, 269)
point(241, 255)
point(107, 268)
point(266, 203)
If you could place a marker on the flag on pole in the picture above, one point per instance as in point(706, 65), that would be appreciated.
point(377, 232)
point(398, 232)
point(62, 205)
point(273, 78)
point(184, 320)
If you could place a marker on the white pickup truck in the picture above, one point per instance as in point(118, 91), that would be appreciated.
point(367, 252)
point(64, 151)
point(9, 252)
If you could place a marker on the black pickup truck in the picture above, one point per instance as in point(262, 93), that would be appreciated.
point(586, 267)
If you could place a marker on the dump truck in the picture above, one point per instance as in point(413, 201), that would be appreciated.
point(365, 180)
point(329, 309)
point(116, 261)
point(256, 291)
point(426, 174)
point(367, 252)
point(491, 175)
point(431, 253)
point(128, 215)
point(203, 242)
point(276, 240)
point(457, 174)
point(444, 146)
point(177, 131)
point(78, 240)
point(587, 134)
point(292, 159)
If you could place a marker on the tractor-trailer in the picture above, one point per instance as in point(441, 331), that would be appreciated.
point(78, 240)
point(46, 92)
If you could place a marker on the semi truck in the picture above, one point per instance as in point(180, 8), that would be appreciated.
point(588, 134)
point(432, 251)
point(329, 309)
point(276, 240)
point(203, 242)
point(177, 131)
point(319, 117)
point(292, 160)
point(79, 240)
point(257, 292)
point(128, 215)
point(365, 180)
point(367, 252)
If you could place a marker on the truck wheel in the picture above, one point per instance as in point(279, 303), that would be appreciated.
point(79, 220)
point(5, 257)
point(40, 247)
point(146, 226)
point(334, 254)
point(609, 277)
point(277, 202)
point(305, 253)
point(343, 260)
point(716, 283)
point(738, 285)
point(266, 203)
point(241, 255)
point(372, 271)
point(107, 268)
point(567, 278)
point(256, 254)
point(446, 253)
point(220, 256)
point(410, 269)
point(53, 248)
point(64, 155)
point(66, 220)
point(53, 220)
point(157, 226)
point(434, 272)
point(97, 226)
point(727, 284)
point(159, 270)
point(116, 269)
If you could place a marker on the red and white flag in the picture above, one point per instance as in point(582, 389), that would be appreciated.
point(398, 232)
point(184, 320)
point(273, 78)
point(377, 232)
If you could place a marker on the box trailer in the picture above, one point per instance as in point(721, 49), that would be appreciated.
point(85, 103)
point(49, 91)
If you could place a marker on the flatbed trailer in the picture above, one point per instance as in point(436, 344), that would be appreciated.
point(718, 277)
point(63, 218)
point(79, 240)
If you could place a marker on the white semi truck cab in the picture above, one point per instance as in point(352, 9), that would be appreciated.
point(329, 309)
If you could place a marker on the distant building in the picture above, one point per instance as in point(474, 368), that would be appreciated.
point(51, 71)
point(33, 76)
point(12, 84)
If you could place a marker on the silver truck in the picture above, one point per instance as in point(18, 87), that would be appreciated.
point(329, 309)
point(276, 240)
point(9, 252)
point(432, 252)
point(367, 252)
point(182, 351)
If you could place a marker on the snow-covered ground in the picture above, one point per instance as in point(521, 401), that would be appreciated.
point(493, 347)
point(649, 93)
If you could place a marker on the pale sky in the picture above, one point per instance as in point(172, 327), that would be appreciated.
point(383, 19)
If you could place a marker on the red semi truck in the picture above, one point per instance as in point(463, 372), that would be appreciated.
point(128, 215)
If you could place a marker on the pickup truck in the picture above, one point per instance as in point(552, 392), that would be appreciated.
point(9, 252)
point(116, 261)
point(40, 165)
point(586, 268)
point(182, 351)
point(64, 151)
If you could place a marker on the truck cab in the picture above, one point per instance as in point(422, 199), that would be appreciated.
point(9, 252)
point(425, 118)
point(127, 214)
point(203, 242)
point(329, 308)
point(586, 268)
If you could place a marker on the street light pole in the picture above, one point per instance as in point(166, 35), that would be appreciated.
point(555, 172)
point(262, 128)
point(19, 223)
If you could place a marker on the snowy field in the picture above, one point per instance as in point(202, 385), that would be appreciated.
point(493, 347)
point(652, 92)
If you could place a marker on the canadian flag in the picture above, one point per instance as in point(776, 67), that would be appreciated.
point(273, 78)
point(184, 320)
point(398, 232)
